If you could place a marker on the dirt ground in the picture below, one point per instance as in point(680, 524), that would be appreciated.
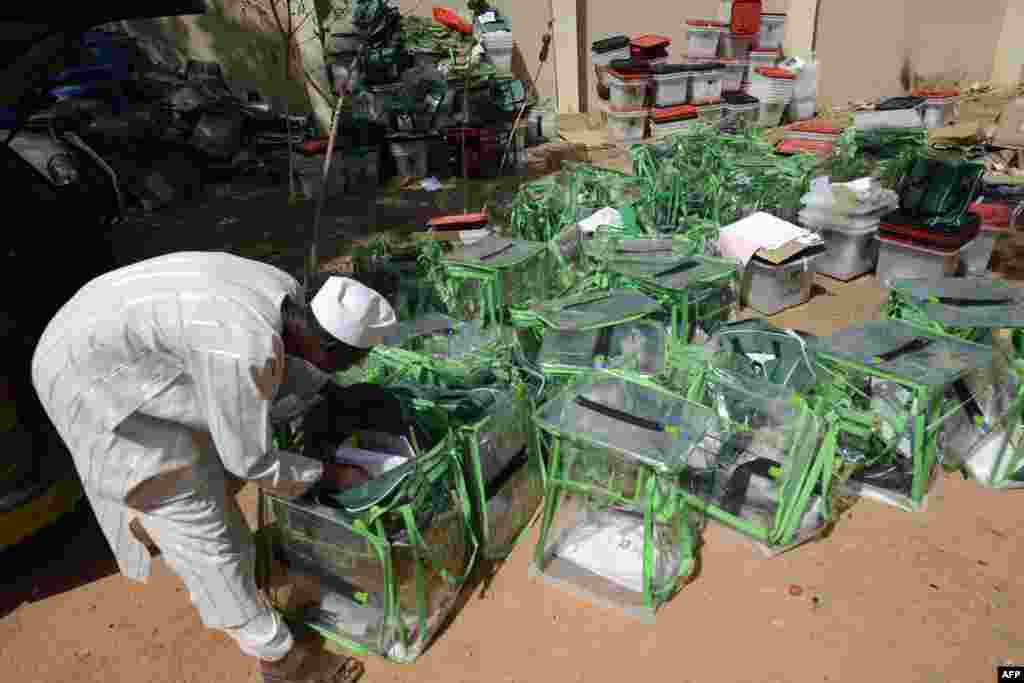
point(888, 596)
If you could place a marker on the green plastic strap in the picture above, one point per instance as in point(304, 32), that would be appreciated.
point(648, 556)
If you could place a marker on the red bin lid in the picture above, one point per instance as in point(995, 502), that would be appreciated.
point(936, 92)
point(818, 126)
point(772, 72)
point(746, 17)
point(818, 147)
point(648, 41)
point(448, 17)
point(992, 213)
point(666, 114)
point(706, 24)
point(464, 219)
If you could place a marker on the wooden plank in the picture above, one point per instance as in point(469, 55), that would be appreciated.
point(1008, 64)
point(566, 55)
point(801, 20)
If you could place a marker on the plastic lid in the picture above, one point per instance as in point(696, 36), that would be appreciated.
point(630, 66)
point(664, 69)
point(464, 219)
point(658, 52)
point(706, 24)
point(992, 213)
point(948, 92)
point(917, 246)
point(610, 44)
point(816, 126)
point(773, 14)
point(894, 103)
point(628, 76)
point(764, 50)
point(649, 40)
point(666, 114)
point(628, 113)
point(771, 72)
point(739, 98)
point(792, 146)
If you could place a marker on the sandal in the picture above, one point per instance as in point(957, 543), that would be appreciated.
point(313, 667)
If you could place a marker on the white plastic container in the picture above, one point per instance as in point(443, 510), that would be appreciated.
point(773, 31)
point(706, 87)
point(762, 57)
point(734, 46)
point(671, 89)
point(939, 111)
point(910, 117)
point(703, 38)
point(770, 113)
point(411, 158)
point(673, 120)
point(824, 203)
point(628, 92)
point(602, 60)
point(733, 75)
point(770, 289)
point(979, 252)
point(899, 260)
point(852, 251)
point(627, 126)
point(499, 46)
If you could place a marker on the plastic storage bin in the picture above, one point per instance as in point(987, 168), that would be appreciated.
point(628, 90)
point(673, 120)
point(898, 260)
point(769, 289)
point(773, 31)
point(627, 126)
point(603, 53)
point(741, 108)
point(703, 38)
point(706, 83)
point(711, 113)
point(852, 251)
point(897, 112)
point(499, 46)
point(939, 108)
point(734, 46)
point(734, 73)
point(671, 84)
point(649, 47)
point(763, 57)
point(774, 89)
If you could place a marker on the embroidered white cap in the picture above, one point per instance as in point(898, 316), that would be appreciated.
point(354, 313)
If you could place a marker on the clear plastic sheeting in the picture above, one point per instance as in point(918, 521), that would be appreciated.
point(700, 291)
point(641, 422)
point(985, 303)
point(383, 581)
point(766, 471)
point(905, 352)
point(985, 435)
point(761, 350)
point(595, 309)
point(638, 346)
point(486, 277)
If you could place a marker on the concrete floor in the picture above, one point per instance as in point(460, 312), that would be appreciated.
point(889, 596)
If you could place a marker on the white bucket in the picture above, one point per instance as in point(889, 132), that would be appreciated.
point(770, 289)
point(852, 252)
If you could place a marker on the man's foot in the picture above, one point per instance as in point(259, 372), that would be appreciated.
point(305, 665)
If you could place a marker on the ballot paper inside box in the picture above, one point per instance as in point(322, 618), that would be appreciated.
point(614, 528)
point(380, 581)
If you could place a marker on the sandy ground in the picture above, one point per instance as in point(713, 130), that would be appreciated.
point(889, 596)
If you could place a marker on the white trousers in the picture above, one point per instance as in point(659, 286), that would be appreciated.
point(204, 538)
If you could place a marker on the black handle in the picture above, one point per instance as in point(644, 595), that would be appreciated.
point(496, 252)
point(957, 301)
point(620, 415)
point(911, 346)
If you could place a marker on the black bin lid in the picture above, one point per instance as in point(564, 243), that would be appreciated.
point(631, 66)
point(665, 69)
point(894, 103)
point(738, 98)
point(610, 44)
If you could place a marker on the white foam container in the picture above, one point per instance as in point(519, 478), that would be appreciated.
point(770, 289)
point(702, 41)
point(627, 94)
point(939, 111)
point(773, 31)
point(897, 261)
point(627, 126)
point(671, 89)
point(896, 118)
point(706, 87)
point(734, 46)
point(979, 252)
point(852, 251)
